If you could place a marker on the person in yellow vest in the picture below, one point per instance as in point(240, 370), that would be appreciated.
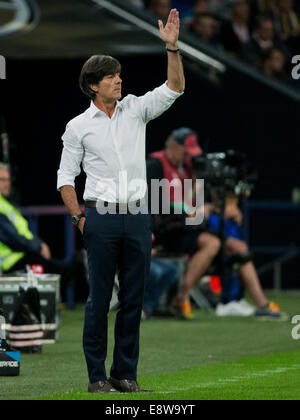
point(18, 239)
point(18, 245)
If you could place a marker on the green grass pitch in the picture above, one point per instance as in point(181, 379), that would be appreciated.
point(209, 358)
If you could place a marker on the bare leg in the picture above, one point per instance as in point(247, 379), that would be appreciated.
point(247, 273)
point(250, 280)
point(209, 247)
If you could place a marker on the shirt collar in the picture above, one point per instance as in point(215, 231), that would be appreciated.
point(94, 110)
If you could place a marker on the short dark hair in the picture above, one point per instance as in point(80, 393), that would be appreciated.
point(94, 70)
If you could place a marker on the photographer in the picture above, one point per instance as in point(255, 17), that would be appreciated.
point(175, 163)
point(228, 176)
point(236, 248)
point(201, 244)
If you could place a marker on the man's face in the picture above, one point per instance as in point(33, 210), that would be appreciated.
point(5, 183)
point(266, 30)
point(180, 154)
point(110, 88)
point(277, 61)
point(205, 27)
point(242, 10)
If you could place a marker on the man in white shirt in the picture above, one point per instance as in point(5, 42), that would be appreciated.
point(109, 140)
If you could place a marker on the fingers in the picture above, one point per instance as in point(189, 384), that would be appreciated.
point(173, 19)
point(177, 22)
point(173, 15)
point(170, 17)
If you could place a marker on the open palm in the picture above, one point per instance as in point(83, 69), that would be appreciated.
point(170, 33)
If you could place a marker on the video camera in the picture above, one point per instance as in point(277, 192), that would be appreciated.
point(229, 170)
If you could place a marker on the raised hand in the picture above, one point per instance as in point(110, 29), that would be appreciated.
point(170, 33)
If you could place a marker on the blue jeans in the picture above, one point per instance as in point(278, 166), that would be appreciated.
point(162, 275)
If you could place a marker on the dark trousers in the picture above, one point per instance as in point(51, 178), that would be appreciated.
point(115, 242)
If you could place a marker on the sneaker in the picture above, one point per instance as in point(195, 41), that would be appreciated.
point(272, 311)
point(186, 308)
point(146, 315)
point(246, 305)
point(232, 309)
point(182, 310)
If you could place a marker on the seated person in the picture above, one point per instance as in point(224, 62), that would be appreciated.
point(273, 65)
point(19, 247)
point(236, 31)
point(247, 275)
point(174, 163)
point(202, 246)
point(263, 38)
point(163, 275)
point(205, 27)
point(287, 23)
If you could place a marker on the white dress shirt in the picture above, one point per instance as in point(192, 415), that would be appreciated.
point(112, 150)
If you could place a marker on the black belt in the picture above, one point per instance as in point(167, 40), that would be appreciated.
point(117, 206)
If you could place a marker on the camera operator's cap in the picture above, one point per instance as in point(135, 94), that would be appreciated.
point(188, 138)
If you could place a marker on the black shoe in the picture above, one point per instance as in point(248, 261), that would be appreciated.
point(126, 385)
point(102, 387)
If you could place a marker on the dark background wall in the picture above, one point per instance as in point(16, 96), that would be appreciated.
point(40, 97)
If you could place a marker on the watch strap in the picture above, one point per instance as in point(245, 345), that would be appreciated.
point(76, 219)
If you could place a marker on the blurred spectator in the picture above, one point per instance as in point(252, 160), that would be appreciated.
point(163, 275)
point(287, 23)
point(245, 270)
point(160, 8)
point(205, 27)
point(273, 64)
point(236, 31)
point(20, 247)
point(263, 38)
point(263, 5)
point(201, 6)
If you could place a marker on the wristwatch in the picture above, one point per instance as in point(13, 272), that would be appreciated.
point(76, 219)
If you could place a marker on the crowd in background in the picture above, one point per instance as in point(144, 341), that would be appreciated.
point(263, 33)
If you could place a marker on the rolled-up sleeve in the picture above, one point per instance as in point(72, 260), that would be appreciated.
point(71, 158)
point(156, 102)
